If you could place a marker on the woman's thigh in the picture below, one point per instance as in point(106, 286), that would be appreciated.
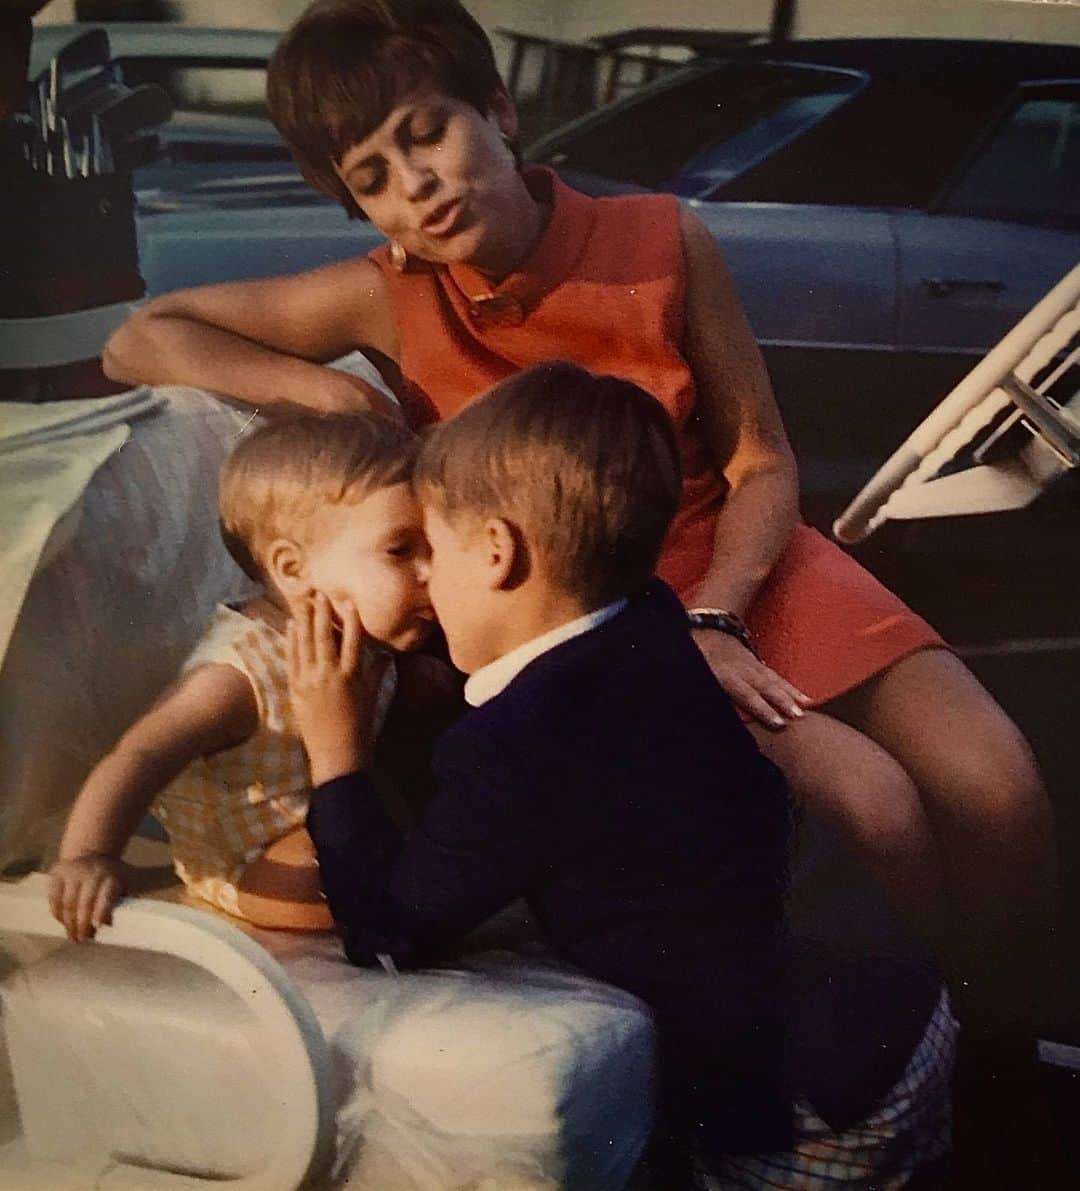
point(837, 771)
point(966, 756)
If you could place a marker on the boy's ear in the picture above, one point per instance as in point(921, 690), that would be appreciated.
point(507, 554)
point(285, 568)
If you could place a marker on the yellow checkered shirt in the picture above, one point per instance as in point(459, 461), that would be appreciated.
point(225, 809)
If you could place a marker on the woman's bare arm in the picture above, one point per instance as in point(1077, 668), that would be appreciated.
point(742, 427)
point(263, 342)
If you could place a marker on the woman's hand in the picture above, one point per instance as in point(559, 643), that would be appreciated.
point(83, 891)
point(332, 699)
point(752, 686)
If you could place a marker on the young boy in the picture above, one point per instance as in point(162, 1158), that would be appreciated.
point(605, 777)
point(305, 502)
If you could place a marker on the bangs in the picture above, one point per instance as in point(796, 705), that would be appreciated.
point(337, 76)
point(340, 101)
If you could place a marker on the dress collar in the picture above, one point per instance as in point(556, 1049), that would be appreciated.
point(492, 679)
point(550, 262)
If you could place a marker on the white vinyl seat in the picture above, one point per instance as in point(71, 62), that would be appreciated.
point(171, 1053)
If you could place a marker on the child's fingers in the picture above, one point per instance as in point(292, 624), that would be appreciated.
point(299, 639)
point(84, 909)
point(352, 637)
point(326, 649)
point(108, 894)
point(69, 908)
point(306, 633)
point(56, 897)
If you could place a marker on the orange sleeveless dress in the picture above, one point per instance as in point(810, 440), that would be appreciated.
point(605, 289)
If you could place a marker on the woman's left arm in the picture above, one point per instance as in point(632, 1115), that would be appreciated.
point(744, 435)
point(741, 427)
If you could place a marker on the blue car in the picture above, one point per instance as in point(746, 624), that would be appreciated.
point(889, 208)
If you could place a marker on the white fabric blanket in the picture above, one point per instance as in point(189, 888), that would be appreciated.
point(509, 1072)
point(114, 604)
point(48, 454)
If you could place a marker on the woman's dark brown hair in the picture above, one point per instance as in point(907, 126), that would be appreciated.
point(343, 67)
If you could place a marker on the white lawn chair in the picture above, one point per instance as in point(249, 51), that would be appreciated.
point(172, 1054)
point(975, 416)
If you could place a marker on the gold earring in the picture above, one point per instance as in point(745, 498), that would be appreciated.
point(399, 258)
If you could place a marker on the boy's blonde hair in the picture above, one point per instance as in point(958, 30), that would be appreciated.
point(345, 64)
point(586, 465)
point(283, 473)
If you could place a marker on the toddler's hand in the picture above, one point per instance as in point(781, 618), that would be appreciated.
point(333, 702)
point(83, 891)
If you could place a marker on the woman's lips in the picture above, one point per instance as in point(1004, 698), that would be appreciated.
point(443, 221)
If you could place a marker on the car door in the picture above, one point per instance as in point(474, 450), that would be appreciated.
point(818, 285)
point(1002, 232)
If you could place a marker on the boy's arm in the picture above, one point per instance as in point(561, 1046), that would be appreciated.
point(476, 849)
point(209, 709)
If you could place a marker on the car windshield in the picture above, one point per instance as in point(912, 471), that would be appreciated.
point(694, 137)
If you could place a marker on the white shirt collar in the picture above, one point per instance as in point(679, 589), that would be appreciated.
point(492, 679)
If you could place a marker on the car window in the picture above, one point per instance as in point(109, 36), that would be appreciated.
point(768, 116)
point(1028, 169)
point(704, 126)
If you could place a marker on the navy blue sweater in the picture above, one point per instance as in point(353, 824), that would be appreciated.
point(614, 787)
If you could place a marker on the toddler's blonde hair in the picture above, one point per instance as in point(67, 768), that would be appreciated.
point(280, 475)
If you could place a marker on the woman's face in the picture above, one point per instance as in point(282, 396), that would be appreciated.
point(439, 178)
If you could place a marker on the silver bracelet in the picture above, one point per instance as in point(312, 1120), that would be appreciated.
point(722, 621)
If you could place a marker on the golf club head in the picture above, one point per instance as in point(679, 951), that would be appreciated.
point(85, 52)
point(72, 99)
point(145, 107)
point(88, 51)
point(87, 104)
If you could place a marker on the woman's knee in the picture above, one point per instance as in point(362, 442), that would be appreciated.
point(879, 809)
point(839, 774)
point(996, 786)
point(970, 760)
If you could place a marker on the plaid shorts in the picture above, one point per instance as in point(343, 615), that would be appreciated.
point(907, 1132)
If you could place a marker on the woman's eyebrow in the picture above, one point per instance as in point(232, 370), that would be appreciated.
point(400, 133)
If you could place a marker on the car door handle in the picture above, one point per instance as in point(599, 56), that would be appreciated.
point(942, 287)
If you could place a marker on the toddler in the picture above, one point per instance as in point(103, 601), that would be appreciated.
point(307, 503)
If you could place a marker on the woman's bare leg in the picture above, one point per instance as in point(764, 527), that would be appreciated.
point(852, 782)
point(990, 814)
point(992, 817)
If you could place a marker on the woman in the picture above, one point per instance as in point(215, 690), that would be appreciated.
point(395, 108)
